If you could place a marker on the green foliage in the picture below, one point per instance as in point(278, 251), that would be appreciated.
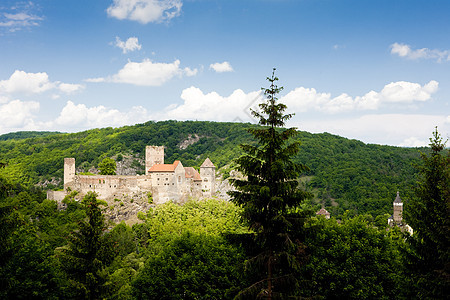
point(345, 174)
point(352, 260)
point(19, 135)
point(150, 198)
point(107, 166)
point(268, 195)
point(191, 266)
point(212, 216)
point(428, 215)
point(80, 259)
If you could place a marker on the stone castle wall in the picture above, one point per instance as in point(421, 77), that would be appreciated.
point(163, 186)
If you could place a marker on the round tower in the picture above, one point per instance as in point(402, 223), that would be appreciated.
point(153, 155)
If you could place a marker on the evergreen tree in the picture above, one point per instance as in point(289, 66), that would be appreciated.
point(269, 196)
point(107, 166)
point(428, 215)
point(81, 259)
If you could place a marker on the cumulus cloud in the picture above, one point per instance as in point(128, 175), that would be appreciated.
point(20, 16)
point(23, 82)
point(404, 50)
point(131, 44)
point(145, 11)
point(212, 106)
point(304, 99)
point(221, 67)
point(34, 83)
point(147, 73)
point(17, 114)
point(80, 116)
point(392, 129)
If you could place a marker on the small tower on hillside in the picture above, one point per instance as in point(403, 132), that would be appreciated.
point(398, 209)
point(69, 171)
point(153, 155)
point(208, 175)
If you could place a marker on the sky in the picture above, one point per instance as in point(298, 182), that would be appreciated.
point(375, 71)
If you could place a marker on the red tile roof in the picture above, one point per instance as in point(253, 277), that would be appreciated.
point(323, 212)
point(164, 167)
point(192, 173)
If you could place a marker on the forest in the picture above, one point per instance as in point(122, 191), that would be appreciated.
point(209, 249)
point(344, 175)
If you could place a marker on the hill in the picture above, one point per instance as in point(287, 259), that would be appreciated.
point(25, 135)
point(344, 174)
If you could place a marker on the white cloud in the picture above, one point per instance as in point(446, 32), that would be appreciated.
point(79, 116)
point(305, 99)
point(392, 129)
point(404, 50)
point(145, 11)
point(221, 67)
point(70, 88)
point(131, 44)
point(23, 82)
point(95, 80)
point(211, 106)
point(17, 114)
point(147, 73)
point(20, 16)
point(34, 83)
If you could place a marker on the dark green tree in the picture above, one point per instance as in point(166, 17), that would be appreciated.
point(191, 266)
point(269, 196)
point(428, 215)
point(107, 166)
point(81, 260)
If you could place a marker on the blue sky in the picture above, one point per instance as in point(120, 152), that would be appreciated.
point(377, 71)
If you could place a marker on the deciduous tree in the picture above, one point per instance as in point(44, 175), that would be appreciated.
point(107, 166)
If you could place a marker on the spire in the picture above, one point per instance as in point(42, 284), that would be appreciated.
point(398, 199)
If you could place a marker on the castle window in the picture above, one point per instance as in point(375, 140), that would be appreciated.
point(167, 178)
point(158, 178)
point(179, 179)
point(90, 185)
point(205, 180)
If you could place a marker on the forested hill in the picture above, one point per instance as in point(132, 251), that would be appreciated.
point(25, 135)
point(345, 174)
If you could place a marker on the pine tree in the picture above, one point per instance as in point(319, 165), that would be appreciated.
point(428, 215)
point(269, 196)
point(80, 259)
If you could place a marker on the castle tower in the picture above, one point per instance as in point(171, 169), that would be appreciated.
point(153, 155)
point(398, 209)
point(69, 171)
point(208, 175)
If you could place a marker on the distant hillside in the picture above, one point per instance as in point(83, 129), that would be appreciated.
point(25, 135)
point(345, 174)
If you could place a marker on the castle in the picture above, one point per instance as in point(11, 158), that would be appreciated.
point(162, 182)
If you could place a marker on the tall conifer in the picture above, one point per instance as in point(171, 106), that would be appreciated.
point(428, 215)
point(269, 195)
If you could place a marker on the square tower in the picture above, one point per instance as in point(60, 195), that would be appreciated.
point(153, 155)
point(398, 209)
point(69, 170)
